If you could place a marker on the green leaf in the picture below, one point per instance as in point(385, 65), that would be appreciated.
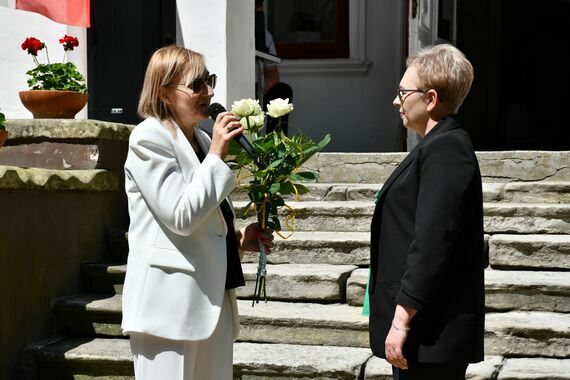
point(305, 176)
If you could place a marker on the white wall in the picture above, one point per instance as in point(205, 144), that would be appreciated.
point(223, 31)
point(15, 27)
point(355, 107)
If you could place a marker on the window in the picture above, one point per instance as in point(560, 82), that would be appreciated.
point(309, 29)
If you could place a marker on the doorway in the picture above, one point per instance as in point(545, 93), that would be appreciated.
point(123, 36)
point(521, 88)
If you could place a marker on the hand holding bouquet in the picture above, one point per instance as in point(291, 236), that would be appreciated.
point(274, 171)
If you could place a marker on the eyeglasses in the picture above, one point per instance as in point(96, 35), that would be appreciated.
point(199, 84)
point(404, 92)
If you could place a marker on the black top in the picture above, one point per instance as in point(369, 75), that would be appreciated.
point(427, 250)
point(234, 273)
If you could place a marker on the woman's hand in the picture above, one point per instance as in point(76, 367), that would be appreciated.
point(249, 238)
point(226, 127)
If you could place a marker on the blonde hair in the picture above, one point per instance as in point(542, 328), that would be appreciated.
point(445, 69)
point(167, 66)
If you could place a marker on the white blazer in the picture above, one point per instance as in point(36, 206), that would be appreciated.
point(176, 270)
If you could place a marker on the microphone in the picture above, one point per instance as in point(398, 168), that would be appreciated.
point(214, 110)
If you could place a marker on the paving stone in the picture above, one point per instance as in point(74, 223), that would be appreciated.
point(530, 252)
point(527, 290)
point(317, 247)
point(377, 369)
point(528, 334)
point(285, 361)
point(535, 369)
point(300, 282)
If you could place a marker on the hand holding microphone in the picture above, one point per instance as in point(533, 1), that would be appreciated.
point(234, 129)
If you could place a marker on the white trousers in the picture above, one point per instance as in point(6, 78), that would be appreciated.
point(158, 358)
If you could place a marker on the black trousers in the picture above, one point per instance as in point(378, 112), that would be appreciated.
point(431, 371)
point(283, 91)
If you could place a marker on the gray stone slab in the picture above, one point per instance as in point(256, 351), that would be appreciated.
point(537, 192)
point(60, 129)
point(356, 287)
point(527, 290)
point(104, 278)
point(530, 251)
point(377, 369)
point(504, 290)
point(284, 361)
point(303, 323)
point(355, 216)
point(524, 218)
point(300, 282)
point(380, 369)
point(318, 247)
point(12, 177)
point(535, 369)
point(504, 166)
point(485, 370)
point(528, 334)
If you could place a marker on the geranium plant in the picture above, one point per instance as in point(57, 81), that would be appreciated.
point(274, 172)
point(54, 76)
point(2, 122)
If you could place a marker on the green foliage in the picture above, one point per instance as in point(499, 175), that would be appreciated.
point(275, 171)
point(56, 76)
point(2, 122)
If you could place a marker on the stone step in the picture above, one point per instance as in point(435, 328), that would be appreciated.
point(502, 166)
point(111, 359)
point(532, 333)
point(535, 369)
point(103, 278)
point(544, 252)
point(300, 282)
point(519, 192)
point(520, 218)
point(504, 290)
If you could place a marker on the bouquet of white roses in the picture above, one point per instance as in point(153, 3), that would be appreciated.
point(274, 170)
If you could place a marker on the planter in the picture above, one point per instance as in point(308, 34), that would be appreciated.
point(53, 104)
point(3, 137)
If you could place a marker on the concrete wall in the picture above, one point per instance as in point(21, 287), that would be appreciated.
point(223, 31)
point(52, 221)
point(333, 96)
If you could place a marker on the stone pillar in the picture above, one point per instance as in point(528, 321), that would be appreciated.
point(224, 32)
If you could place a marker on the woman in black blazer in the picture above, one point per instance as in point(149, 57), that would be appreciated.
point(427, 254)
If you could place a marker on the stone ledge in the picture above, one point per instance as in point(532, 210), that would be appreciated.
point(16, 178)
point(65, 129)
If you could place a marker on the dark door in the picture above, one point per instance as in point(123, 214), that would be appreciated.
point(522, 81)
point(123, 36)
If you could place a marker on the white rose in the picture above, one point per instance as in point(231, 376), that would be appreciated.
point(255, 121)
point(279, 107)
point(245, 107)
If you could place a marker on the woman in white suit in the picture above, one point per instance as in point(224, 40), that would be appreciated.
point(179, 305)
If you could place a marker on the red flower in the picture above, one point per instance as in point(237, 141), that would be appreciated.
point(69, 42)
point(33, 45)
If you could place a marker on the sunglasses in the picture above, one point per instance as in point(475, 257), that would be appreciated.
point(199, 84)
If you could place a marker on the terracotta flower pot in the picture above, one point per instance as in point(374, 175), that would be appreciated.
point(3, 137)
point(53, 104)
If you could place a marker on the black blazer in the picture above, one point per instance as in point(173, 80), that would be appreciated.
point(427, 250)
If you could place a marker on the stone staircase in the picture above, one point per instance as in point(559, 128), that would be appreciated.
point(312, 326)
